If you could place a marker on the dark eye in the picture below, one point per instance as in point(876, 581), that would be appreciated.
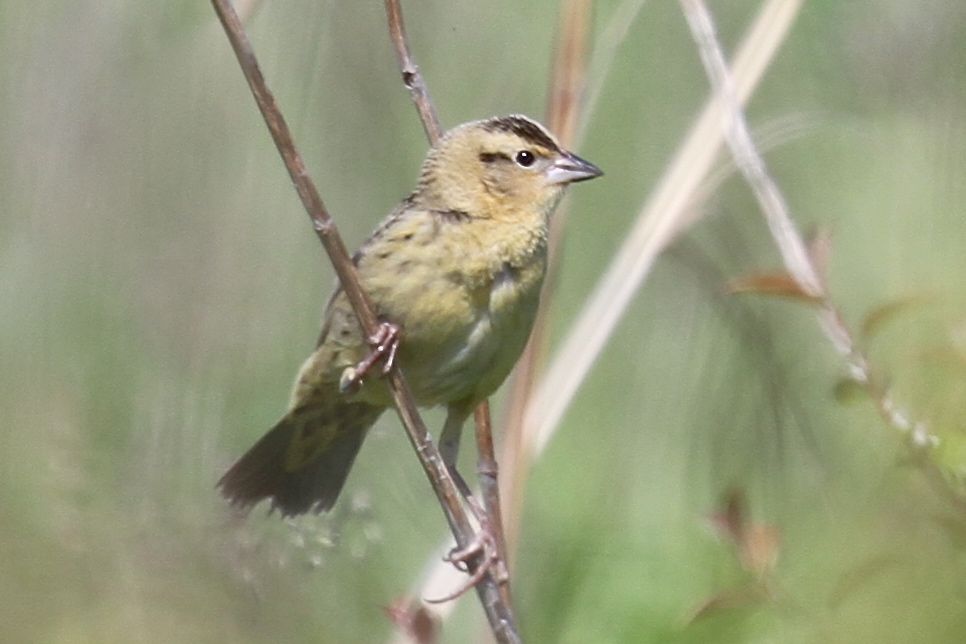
point(525, 158)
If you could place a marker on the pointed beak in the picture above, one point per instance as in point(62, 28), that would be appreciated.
point(570, 168)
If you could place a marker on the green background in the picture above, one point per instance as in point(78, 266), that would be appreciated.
point(159, 286)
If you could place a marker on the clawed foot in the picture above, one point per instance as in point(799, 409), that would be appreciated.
point(484, 551)
point(384, 344)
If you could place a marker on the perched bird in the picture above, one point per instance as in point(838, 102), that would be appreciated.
point(457, 268)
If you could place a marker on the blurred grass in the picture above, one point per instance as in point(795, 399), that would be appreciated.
point(159, 287)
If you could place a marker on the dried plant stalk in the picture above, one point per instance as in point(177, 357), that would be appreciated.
point(488, 470)
point(799, 262)
point(498, 613)
point(411, 76)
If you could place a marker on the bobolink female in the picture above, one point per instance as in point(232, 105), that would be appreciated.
point(458, 267)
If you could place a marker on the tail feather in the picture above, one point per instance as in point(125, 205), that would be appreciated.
point(302, 463)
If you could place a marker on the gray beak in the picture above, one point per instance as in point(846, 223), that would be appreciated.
point(570, 168)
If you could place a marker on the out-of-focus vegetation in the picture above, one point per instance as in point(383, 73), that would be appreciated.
point(159, 285)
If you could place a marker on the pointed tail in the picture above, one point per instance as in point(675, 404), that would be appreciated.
point(302, 463)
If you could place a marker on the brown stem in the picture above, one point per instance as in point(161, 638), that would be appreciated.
point(498, 606)
point(411, 77)
point(490, 490)
point(569, 72)
point(429, 457)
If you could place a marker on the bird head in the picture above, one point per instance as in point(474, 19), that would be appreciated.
point(500, 166)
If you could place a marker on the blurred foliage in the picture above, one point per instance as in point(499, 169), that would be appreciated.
point(160, 285)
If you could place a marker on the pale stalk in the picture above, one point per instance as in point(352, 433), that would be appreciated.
point(774, 207)
point(670, 209)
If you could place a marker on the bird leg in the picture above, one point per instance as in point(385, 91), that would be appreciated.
point(482, 549)
point(384, 345)
point(449, 449)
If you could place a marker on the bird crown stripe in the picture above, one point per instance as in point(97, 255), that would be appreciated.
point(524, 128)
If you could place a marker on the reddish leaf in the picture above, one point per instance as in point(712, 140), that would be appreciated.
point(747, 595)
point(757, 544)
point(730, 522)
point(773, 284)
point(760, 549)
point(421, 625)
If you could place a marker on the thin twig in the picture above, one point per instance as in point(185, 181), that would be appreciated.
point(499, 613)
point(488, 470)
point(489, 476)
point(319, 215)
point(798, 262)
point(411, 76)
point(569, 73)
point(749, 162)
point(429, 457)
point(413, 80)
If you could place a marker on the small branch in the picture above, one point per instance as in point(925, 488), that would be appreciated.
point(429, 457)
point(798, 262)
point(747, 158)
point(490, 489)
point(494, 589)
point(319, 215)
point(411, 76)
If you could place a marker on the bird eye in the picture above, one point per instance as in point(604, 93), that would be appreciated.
point(525, 158)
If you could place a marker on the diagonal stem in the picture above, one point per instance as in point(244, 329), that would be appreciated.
point(429, 457)
point(798, 261)
point(490, 488)
point(411, 76)
point(494, 589)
